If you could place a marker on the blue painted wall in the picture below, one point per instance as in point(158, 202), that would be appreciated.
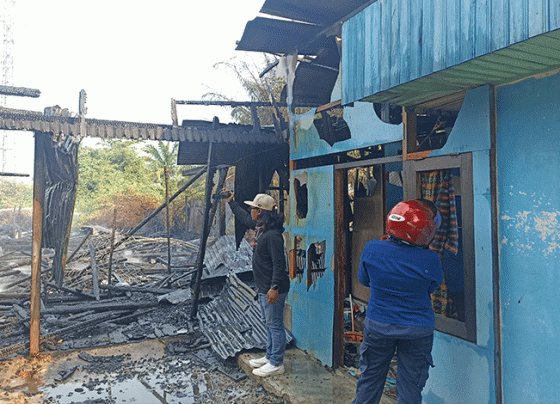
point(464, 372)
point(365, 127)
point(313, 309)
point(396, 41)
point(528, 139)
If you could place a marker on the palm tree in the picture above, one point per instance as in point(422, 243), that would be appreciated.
point(162, 156)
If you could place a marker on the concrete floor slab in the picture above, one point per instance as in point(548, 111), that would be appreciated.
point(306, 380)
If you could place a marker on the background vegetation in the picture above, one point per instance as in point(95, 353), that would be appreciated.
point(129, 175)
point(15, 194)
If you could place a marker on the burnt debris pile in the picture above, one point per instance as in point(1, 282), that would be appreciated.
point(120, 289)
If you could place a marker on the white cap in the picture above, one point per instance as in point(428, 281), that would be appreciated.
point(262, 201)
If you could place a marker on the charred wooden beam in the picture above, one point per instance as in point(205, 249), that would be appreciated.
point(13, 175)
point(105, 306)
point(72, 291)
point(109, 270)
point(90, 232)
point(94, 273)
point(230, 103)
point(155, 212)
point(37, 237)
point(153, 290)
point(167, 218)
point(20, 91)
point(204, 236)
point(208, 217)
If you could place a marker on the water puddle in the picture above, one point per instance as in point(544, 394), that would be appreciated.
point(148, 389)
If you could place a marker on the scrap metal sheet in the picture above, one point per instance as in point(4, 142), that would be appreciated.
point(232, 321)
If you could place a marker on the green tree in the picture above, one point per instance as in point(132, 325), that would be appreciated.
point(246, 72)
point(108, 170)
point(160, 156)
point(164, 155)
point(14, 193)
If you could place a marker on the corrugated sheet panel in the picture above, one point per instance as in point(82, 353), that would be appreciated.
point(232, 321)
point(70, 126)
point(222, 258)
point(320, 12)
point(406, 52)
point(276, 36)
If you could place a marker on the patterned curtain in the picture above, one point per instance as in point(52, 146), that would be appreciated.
point(437, 186)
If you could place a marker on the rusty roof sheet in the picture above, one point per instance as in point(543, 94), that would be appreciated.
point(189, 131)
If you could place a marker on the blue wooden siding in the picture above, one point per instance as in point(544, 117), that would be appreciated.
point(528, 141)
point(313, 309)
point(393, 42)
point(464, 371)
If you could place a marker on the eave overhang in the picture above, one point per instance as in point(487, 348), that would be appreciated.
point(533, 57)
point(408, 53)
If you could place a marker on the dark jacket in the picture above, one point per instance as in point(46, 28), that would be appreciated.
point(269, 259)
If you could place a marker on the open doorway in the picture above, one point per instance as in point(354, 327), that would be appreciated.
point(364, 194)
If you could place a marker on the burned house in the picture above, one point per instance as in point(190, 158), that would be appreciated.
point(454, 101)
point(59, 301)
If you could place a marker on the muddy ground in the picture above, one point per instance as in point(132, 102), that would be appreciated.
point(156, 371)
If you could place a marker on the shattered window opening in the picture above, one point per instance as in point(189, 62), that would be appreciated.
point(316, 263)
point(298, 261)
point(301, 198)
point(331, 126)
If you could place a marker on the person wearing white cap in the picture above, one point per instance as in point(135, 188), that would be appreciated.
point(270, 274)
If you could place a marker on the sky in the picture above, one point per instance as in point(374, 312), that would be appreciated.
point(131, 57)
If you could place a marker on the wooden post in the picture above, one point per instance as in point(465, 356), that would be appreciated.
point(167, 223)
point(341, 260)
point(222, 207)
point(201, 252)
point(37, 238)
point(410, 131)
point(94, 272)
point(109, 271)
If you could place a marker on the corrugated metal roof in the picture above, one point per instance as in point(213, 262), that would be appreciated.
point(222, 258)
point(406, 53)
point(276, 36)
point(232, 321)
point(307, 19)
point(198, 132)
point(516, 62)
point(320, 12)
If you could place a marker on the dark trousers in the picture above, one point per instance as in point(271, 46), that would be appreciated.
point(414, 358)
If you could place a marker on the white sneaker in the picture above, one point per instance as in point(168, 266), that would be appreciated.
point(269, 370)
point(257, 363)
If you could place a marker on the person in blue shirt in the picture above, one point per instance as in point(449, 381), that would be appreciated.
point(401, 272)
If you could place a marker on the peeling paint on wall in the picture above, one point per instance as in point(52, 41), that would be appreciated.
point(532, 226)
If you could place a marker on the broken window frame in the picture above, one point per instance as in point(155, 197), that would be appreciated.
point(412, 190)
point(315, 263)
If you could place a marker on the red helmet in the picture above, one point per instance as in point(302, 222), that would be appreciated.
point(413, 221)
